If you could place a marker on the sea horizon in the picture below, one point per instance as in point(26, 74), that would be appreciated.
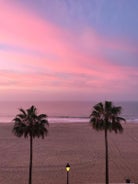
point(65, 111)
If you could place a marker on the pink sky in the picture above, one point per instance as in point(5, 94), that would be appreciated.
point(42, 60)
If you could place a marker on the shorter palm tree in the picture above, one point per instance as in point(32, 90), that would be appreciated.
point(29, 124)
point(106, 117)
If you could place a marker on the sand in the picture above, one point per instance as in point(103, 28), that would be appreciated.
point(76, 143)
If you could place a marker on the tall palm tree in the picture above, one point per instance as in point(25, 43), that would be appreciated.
point(106, 117)
point(29, 124)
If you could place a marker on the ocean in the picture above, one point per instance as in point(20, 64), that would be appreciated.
point(64, 111)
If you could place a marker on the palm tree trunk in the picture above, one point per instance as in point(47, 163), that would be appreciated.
point(106, 158)
point(31, 156)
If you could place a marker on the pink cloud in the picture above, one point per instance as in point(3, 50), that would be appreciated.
point(75, 55)
point(25, 29)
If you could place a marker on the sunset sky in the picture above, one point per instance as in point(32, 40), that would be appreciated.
point(68, 49)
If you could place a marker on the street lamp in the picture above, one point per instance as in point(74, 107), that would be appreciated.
point(67, 169)
point(128, 180)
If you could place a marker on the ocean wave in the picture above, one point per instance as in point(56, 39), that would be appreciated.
point(67, 119)
point(63, 119)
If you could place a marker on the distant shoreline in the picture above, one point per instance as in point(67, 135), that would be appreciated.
point(72, 122)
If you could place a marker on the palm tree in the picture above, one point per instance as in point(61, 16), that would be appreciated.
point(29, 124)
point(106, 117)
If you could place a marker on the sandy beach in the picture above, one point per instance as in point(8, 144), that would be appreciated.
point(76, 143)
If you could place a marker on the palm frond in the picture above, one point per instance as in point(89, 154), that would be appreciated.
point(106, 116)
point(116, 110)
point(99, 107)
point(22, 111)
point(28, 123)
point(108, 106)
point(42, 116)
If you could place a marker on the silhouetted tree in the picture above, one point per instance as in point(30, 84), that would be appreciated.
point(106, 117)
point(29, 124)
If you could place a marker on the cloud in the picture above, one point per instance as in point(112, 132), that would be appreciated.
point(36, 54)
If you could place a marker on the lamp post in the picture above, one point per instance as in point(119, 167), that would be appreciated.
point(67, 169)
point(128, 180)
